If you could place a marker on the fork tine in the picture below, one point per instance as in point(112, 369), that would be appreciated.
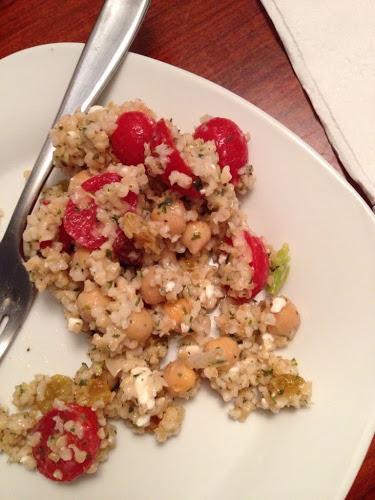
point(9, 333)
point(4, 306)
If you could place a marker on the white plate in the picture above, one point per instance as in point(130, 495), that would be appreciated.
point(307, 454)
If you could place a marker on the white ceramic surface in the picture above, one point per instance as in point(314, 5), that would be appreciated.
point(308, 454)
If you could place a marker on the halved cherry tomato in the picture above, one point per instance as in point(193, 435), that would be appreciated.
point(125, 251)
point(87, 420)
point(163, 135)
point(134, 129)
point(230, 141)
point(259, 263)
point(95, 183)
point(81, 225)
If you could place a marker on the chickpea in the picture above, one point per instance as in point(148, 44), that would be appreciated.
point(140, 326)
point(80, 257)
point(171, 212)
point(227, 349)
point(168, 257)
point(287, 321)
point(149, 291)
point(196, 236)
point(177, 310)
point(87, 300)
point(78, 179)
point(180, 378)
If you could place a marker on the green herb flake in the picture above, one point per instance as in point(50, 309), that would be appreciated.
point(167, 202)
point(218, 362)
point(196, 235)
point(268, 372)
point(108, 253)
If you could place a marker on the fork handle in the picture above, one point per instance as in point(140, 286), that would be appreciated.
point(109, 41)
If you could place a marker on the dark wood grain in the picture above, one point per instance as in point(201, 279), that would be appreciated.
point(231, 42)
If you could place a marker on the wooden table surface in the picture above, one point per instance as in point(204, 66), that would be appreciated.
point(231, 42)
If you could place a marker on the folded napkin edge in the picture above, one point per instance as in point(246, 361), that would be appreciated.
point(332, 130)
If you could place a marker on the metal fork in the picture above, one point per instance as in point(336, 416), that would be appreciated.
point(113, 33)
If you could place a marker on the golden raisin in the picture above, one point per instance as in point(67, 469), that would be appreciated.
point(58, 387)
point(285, 385)
point(95, 389)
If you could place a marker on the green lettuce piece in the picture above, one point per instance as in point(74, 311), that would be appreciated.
point(279, 267)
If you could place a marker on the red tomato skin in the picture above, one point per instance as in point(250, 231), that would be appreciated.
point(132, 200)
point(90, 442)
point(80, 225)
point(163, 135)
point(63, 237)
point(230, 141)
point(259, 263)
point(125, 251)
point(134, 129)
point(98, 181)
point(45, 244)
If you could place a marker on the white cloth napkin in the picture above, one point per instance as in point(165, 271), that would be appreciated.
point(331, 45)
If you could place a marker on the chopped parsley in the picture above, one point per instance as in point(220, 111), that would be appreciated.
point(196, 235)
point(167, 202)
point(268, 372)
